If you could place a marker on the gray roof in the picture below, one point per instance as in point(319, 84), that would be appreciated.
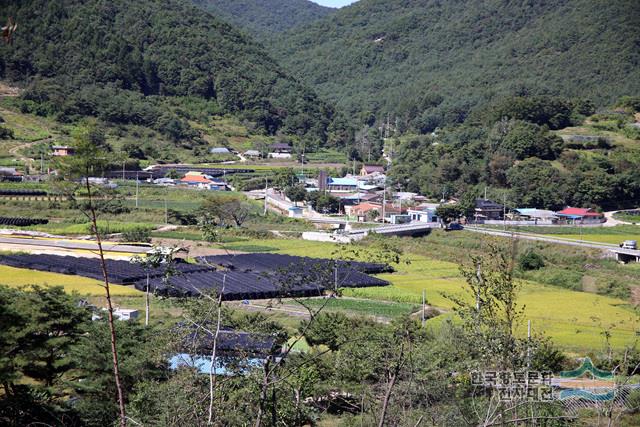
point(219, 150)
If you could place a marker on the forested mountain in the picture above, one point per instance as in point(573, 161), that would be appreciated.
point(432, 61)
point(152, 63)
point(265, 17)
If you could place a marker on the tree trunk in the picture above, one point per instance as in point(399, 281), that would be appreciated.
point(392, 382)
point(387, 398)
point(112, 329)
point(146, 303)
point(263, 393)
point(212, 376)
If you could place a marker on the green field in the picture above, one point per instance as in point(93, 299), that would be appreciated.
point(15, 277)
point(363, 307)
point(574, 320)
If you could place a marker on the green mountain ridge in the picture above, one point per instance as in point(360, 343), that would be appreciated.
point(431, 62)
point(263, 18)
point(152, 63)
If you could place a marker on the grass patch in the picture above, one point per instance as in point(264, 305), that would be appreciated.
point(364, 307)
point(106, 227)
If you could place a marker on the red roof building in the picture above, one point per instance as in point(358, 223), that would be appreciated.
point(196, 179)
point(579, 212)
point(583, 215)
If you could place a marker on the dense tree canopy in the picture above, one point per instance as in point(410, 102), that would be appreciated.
point(119, 60)
point(430, 62)
point(263, 18)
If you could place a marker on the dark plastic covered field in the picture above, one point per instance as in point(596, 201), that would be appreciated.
point(260, 262)
point(270, 277)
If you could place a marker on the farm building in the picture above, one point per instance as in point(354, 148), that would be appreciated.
point(339, 185)
point(238, 351)
point(10, 174)
point(219, 150)
point(580, 215)
point(252, 153)
point(538, 215)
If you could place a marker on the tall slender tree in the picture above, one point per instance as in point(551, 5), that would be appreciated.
point(90, 160)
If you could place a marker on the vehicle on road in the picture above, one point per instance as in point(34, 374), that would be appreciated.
point(454, 226)
point(629, 244)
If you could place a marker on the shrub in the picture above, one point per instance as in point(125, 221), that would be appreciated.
point(6, 133)
point(137, 235)
point(614, 288)
point(530, 261)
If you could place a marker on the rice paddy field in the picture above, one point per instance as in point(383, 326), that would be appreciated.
point(575, 320)
point(16, 277)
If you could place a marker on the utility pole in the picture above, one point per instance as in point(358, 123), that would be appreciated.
point(123, 163)
point(137, 189)
point(528, 344)
point(384, 201)
point(166, 211)
point(41, 163)
point(504, 211)
point(424, 304)
point(266, 189)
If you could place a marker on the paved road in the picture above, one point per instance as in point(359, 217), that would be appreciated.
point(540, 238)
point(71, 245)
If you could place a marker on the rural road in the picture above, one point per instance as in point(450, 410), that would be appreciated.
point(62, 244)
point(539, 238)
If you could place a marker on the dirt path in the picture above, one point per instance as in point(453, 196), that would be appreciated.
point(15, 151)
point(635, 295)
point(195, 248)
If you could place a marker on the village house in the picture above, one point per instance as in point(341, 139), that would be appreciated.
point(371, 169)
point(423, 214)
point(200, 180)
point(370, 211)
point(62, 151)
point(488, 210)
point(280, 150)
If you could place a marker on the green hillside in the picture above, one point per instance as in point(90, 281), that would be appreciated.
point(265, 17)
point(157, 64)
point(430, 62)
